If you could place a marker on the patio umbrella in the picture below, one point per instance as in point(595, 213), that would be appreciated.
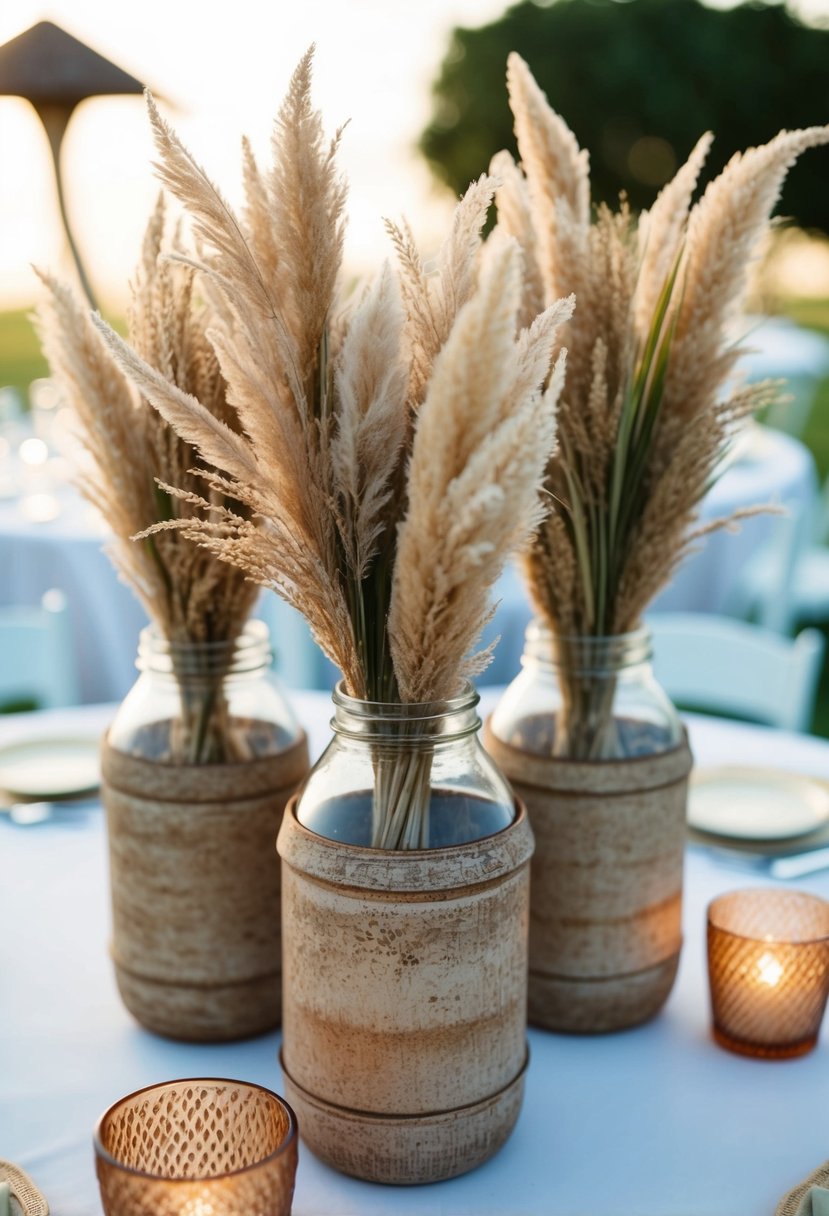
point(54, 71)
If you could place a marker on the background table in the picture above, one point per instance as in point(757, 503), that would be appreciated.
point(66, 552)
point(655, 1121)
point(767, 467)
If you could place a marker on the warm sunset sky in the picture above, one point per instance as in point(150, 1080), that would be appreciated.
point(225, 68)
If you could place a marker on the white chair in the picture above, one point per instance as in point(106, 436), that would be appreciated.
point(715, 663)
point(764, 587)
point(778, 348)
point(36, 655)
point(786, 584)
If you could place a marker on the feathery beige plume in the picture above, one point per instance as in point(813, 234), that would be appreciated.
point(111, 430)
point(559, 171)
point(188, 594)
point(643, 425)
point(372, 424)
point(434, 297)
point(662, 230)
point(512, 201)
point(724, 231)
point(474, 482)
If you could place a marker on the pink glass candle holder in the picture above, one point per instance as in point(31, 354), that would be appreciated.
point(768, 966)
point(199, 1147)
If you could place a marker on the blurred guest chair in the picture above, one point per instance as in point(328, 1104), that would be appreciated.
point(786, 582)
point(742, 670)
point(763, 588)
point(779, 349)
point(37, 663)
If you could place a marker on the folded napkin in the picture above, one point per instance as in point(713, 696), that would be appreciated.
point(810, 1197)
point(26, 1199)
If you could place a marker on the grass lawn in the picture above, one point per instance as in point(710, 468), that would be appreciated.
point(815, 315)
point(21, 362)
point(20, 357)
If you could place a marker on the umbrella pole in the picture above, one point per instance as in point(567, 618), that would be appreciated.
point(55, 119)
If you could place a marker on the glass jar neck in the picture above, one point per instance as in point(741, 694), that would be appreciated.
point(248, 653)
point(428, 722)
point(586, 656)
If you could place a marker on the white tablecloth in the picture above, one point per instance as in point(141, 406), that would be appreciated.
point(769, 467)
point(656, 1121)
point(67, 552)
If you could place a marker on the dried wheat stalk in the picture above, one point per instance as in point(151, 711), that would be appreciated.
point(481, 444)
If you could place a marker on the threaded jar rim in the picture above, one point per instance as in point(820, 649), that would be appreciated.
point(407, 722)
point(250, 650)
point(587, 653)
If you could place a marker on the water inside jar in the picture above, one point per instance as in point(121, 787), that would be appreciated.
point(455, 817)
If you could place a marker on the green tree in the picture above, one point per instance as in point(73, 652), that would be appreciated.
point(638, 81)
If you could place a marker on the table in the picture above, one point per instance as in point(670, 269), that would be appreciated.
point(67, 552)
point(768, 467)
point(655, 1121)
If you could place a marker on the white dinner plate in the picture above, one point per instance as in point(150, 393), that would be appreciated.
point(756, 803)
point(51, 767)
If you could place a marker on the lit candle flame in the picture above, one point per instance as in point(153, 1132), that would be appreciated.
point(769, 970)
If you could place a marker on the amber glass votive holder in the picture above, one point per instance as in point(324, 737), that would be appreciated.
point(197, 1147)
point(768, 966)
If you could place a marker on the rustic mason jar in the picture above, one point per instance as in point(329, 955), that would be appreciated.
point(405, 776)
point(595, 749)
point(197, 766)
point(404, 1044)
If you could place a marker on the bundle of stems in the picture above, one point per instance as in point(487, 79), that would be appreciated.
point(392, 449)
point(646, 417)
point(196, 602)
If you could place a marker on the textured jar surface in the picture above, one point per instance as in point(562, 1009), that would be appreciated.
point(595, 749)
point(405, 999)
point(605, 923)
point(195, 890)
point(199, 762)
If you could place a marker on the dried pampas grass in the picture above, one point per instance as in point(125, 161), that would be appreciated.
point(394, 469)
point(643, 424)
point(391, 454)
point(481, 444)
point(188, 594)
